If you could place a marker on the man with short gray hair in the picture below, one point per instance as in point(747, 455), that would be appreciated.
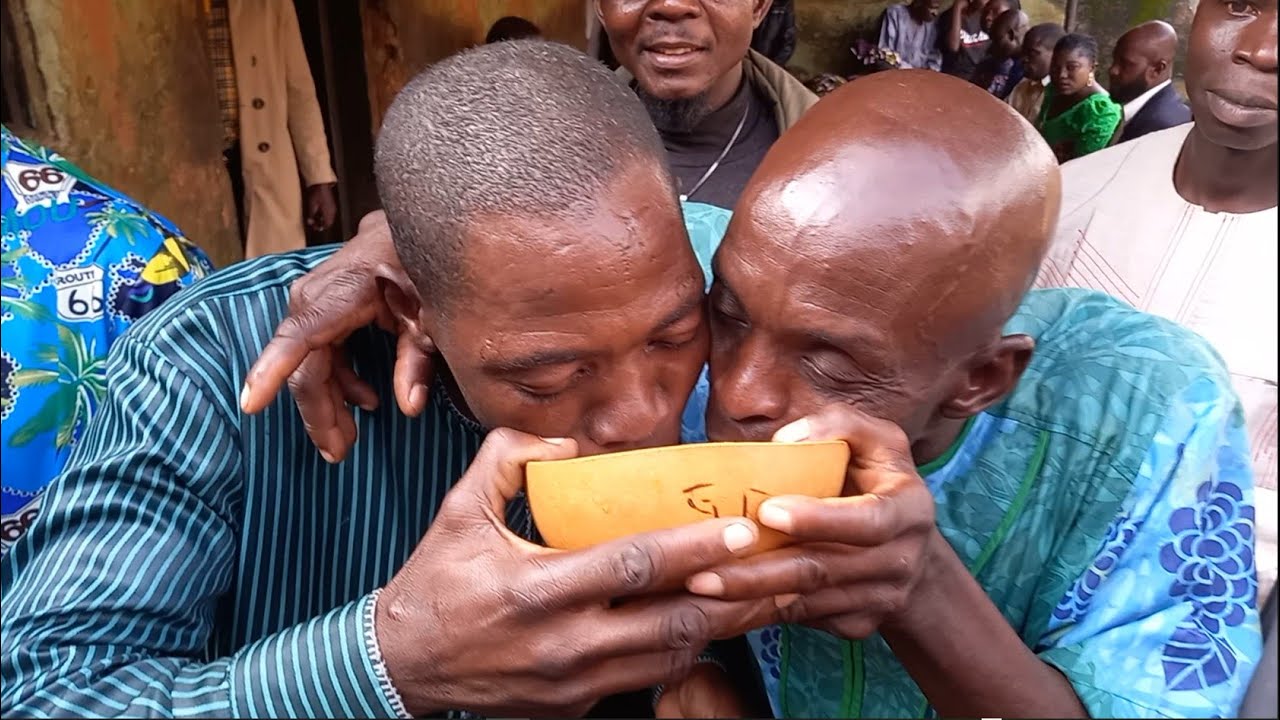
point(194, 561)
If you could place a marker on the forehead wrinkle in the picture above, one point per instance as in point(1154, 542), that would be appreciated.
point(878, 272)
point(913, 282)
point(905, 214)
point(509, 336)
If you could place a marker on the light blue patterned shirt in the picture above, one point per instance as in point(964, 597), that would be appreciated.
point(1107, 509)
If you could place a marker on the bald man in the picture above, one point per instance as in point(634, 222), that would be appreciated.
point(1050, 502)
point(1003, 67)
point(1142, 80)
point(1049, 506)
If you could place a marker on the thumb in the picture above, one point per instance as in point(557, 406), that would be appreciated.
point(872, 441)
point(497, 473)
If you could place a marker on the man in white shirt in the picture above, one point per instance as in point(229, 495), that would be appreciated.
point(1142, 80)
point(1182, 223)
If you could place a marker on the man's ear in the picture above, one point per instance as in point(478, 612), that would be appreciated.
point(1158, 69)
point(408, 310)
point(759, 11)
point(992, 376)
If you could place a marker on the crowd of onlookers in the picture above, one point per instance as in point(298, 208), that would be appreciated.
point(1048, 75)
point(1061, 503)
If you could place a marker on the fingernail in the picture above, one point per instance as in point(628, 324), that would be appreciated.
point(244, 397)
point(773, 514)
point(781, 601)
point(795, 432)
point(553, 441)
point(328, 457)
point(738, 537)
point(418, 397)
point(706, 583)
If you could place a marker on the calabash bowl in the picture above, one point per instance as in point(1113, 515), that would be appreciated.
point(585, 501)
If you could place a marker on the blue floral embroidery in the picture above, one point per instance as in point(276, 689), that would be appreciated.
point(771, 650)
point(1076, 602)
point(1211, 558)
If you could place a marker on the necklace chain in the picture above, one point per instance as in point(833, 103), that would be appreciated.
point(729, 146)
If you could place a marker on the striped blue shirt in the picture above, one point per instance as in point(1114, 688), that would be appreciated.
point(193, 561)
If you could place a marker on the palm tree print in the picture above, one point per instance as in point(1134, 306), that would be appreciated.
point(121, 221)
point(13, 289)
point(82, 382)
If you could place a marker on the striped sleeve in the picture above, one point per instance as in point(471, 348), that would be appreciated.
point(110, 598)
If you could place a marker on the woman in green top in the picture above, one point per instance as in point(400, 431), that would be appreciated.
point(1078, 117)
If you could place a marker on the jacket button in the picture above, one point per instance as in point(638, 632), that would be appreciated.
point(258, 104)
point(263, 147)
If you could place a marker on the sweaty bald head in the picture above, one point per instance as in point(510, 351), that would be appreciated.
point(883, 181)
point(1143, 58)
point(882, 246)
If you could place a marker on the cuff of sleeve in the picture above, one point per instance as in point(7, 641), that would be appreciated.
point(375, 654)
point(707, 657)
point(328, 667)
point(319, 174)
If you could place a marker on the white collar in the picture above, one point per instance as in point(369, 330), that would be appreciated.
point(1134, 106)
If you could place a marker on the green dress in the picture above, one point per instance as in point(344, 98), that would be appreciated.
point(1089, 124)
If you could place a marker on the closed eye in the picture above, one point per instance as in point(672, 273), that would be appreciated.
point(1241, 8)
point(725, 316)
point(541, 393)
point(673, 343)
point(823, 371)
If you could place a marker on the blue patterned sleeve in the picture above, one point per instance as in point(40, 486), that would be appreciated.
point(706, 225)
point(136, 285)
point(1164, 622)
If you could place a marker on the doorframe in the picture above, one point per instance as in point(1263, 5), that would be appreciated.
point(332, 36)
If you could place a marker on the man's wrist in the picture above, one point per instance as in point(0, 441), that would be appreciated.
point(392, 651)
point(379, 662)
point(706, 658)
point(928, 604)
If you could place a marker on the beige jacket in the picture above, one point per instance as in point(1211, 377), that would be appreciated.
point(1026, 98)
point(281, 130)
point(789, 96)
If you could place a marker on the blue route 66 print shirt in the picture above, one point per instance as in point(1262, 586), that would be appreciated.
point(81, 262)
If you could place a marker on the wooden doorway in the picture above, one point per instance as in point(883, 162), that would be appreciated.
point(331, 35)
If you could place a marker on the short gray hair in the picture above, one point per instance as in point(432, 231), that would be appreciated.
point(526, 127)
